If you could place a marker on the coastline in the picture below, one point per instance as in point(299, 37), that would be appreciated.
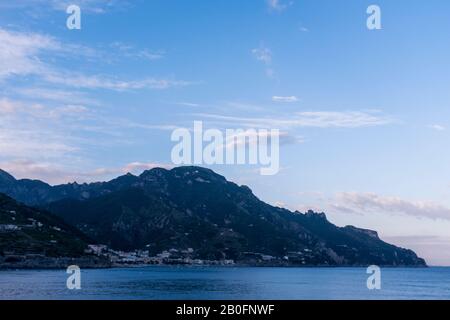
point(63, 263)
point(48, 263)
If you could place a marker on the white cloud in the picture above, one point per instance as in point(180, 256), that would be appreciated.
point(129, 51)
point(263, 54)
point(99, 82)
point(36, 131)
point(368, 203)
point(284, 99)
point(188, 104)
point(47, 124)
point(315, 119)
point(56, 133)
point(247, 137)
point(124, 123)
point(21, 54)
point(17, 110)
point(437, 127)
point(350, 119)
point(149, 55)
point(57, 95)
point(35, 7)
point(278, 5)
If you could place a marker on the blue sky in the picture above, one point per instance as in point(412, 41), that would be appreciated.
point(365, 113)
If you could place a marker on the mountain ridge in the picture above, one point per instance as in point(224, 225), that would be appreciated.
point(196, 208)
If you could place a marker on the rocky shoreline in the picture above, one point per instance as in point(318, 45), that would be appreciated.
point(89, 263)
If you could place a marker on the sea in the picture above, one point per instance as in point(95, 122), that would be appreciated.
point(227, 283)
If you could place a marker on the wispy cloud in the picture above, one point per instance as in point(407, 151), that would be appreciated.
point(437, 127)
point(264, 55)
point(317, 119)
point(35, 7)
point(188, 104)
point(19, 53)
point(55, 132)
point(101, 82)
point(22, 54)
point(278, 5)
point(20, 110)
point(248, 137)
point(36, 131)
point(49, 122)
point(286, 99)
point(303, 29)
point(129, 51)
point(23, 143)
point(370, 203)
point(56, 95)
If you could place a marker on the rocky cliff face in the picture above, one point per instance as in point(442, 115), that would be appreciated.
point(192, 207)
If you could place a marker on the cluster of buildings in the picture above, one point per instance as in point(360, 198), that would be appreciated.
point(139, 257)
point(188, 257)
point(293, 257)
point(11, 227)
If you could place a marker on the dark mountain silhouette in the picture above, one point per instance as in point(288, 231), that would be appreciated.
point(192, 207)
point(34, 238)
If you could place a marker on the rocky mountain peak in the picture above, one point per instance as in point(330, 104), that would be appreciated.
point(313, 214)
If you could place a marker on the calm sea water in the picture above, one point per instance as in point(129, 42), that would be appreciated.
point(227, 283)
